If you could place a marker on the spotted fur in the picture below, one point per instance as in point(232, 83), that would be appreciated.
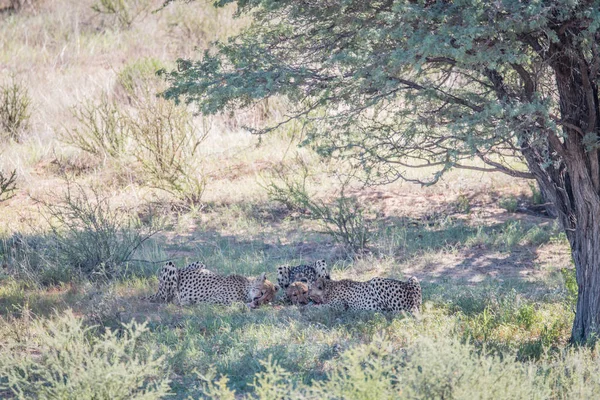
point(378, 294)
point(287, 275)
point(195, 283)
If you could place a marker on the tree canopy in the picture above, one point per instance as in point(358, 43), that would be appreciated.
point(397, 84)
point(393, 84)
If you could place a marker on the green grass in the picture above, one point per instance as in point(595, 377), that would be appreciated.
point(519, 338)
point(517, 328)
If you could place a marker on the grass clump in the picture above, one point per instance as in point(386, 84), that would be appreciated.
point(15, 109)
point(137, 79)
point(511, 234)
point(167, 148)
point(65, 360)
point(90, 236)
point(162, 137)
point(463, 204)
point(536, 194)
point(509, 203)
point(102, 128)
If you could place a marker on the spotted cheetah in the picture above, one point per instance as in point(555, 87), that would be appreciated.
point(267, 297)
point(297, 292)
point(378, 294)
point(195, 283)
point(307, 274)
point(287, 275)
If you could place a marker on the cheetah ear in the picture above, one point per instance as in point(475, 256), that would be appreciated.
point(277, 288)
point(263, 277)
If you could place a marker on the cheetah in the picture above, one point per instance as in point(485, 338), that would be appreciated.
point(378, 294)
point(297, 292)
point(195, 283)
point(287, 275)
point(268, 296)
point(307, 274)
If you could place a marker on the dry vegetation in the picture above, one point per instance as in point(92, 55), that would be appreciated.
point(112, 181)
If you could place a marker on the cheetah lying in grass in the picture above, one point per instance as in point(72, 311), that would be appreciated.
point(195, 284)
point(378, 294)
point(305, 274)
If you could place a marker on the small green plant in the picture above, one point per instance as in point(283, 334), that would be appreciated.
point(274, 382)
point(536, 236)
point(8, 185)
point(526, 315)
point(91, 236)
point(216, 389)
point(572, 289)
point(102, 129)
point(536, 194)
point(65, 360)
point(137, 79)
point(167, 148)
point(509, 203)
point(343, 218)
point(125, 12)
point(463, 204)
point(15, 109)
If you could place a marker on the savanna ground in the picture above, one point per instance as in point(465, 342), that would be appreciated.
point(112, 182)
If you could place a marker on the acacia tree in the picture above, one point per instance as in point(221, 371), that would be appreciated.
point(393, 85)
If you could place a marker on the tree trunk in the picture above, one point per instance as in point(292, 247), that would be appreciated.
point(585, 248)
point(568, 172)
point(577, 188)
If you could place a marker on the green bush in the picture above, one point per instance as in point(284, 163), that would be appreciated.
point(139, 78)
point(427, 369)
point(89, 235)
point(509, 203)
point(15, 109)
point(64, 360)
point(102, 129)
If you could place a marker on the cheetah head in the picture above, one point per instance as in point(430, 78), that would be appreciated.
point(283, 276)
point(268, 295)
point(317, 291)
point(261, 291)
point(297, 292)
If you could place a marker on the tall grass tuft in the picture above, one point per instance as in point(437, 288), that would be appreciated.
point(168, 148)
point(15, 109)
point(102, 128)
point(138, 79)
point(90, 235)
point(65, 360)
